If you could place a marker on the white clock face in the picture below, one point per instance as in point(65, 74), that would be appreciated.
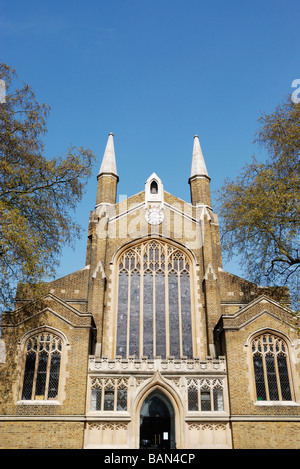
point(154, 216)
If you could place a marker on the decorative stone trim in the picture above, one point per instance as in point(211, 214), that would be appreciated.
point(194, 365)
point(207, 426)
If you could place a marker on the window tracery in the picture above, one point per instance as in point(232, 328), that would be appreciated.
point(109, 394)
point(205, 395)
point(42, 367)
point(154, 302)
point(271, 369)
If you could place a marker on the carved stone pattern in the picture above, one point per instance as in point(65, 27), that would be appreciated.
point(144, 364)
point(205, 383)
point(206, 426)
point(109, 382)
point(107, 426)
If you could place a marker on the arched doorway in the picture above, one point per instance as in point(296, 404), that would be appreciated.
point(157, 423)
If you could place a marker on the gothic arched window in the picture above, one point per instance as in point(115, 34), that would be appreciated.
point(42, 367)
point(109, 394)
point(271, 368)
point(205, 395)
point(154, 302)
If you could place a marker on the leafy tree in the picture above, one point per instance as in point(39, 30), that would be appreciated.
point(37, 193)
point(260, 208)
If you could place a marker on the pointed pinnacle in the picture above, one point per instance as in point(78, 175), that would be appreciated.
point(108, 165)
point(198, 163)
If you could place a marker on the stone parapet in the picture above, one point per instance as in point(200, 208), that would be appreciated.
point(169, 365)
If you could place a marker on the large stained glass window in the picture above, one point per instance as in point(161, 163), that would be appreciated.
point(154, 302)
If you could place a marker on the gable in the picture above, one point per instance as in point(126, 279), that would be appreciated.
point(135, 218)
point(47, 305)
point(261, 306)
point(237, 291)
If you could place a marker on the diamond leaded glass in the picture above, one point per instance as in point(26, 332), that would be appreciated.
point(109, 394)
point(270, 363)
point(205, 395)
point(42, 367)
point(122, 398)
point(193, 398)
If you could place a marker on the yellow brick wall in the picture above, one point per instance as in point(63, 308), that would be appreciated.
point(73, 377)
point(41, 435)
point(266, 435)
point(240, 373)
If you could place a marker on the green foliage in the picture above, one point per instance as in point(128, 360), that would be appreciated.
point(36, 193)
point(260, 208)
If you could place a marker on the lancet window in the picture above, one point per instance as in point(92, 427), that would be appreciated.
point(271, 368)
point(205, 395)
point(109, 394)
point(154, 315)
point(42, 367)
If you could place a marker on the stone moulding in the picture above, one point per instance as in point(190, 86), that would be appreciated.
point(195, 365)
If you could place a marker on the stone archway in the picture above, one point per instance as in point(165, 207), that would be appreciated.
point(157, 422)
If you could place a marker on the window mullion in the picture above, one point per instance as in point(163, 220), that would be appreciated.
point(128, 314)
point(265, 376)
point(37, 360)
point(48, 374)
point(141, 330)
point(277, 377)
point(102, 394)
point(167, 306)
point(115, 394)
point(179, 315)
point(154, 315)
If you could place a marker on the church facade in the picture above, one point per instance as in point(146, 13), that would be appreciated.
point(151, 344)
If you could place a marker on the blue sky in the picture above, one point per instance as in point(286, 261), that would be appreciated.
point(155, 73)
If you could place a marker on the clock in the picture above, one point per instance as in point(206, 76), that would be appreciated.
point(154, 216)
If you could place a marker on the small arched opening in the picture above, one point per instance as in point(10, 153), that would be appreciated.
point(154, 187)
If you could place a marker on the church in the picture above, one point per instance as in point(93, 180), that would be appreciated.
point(151, 345)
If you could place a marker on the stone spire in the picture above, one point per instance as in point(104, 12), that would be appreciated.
point(199, 179)
point(108, 165)
point(198, 163)
point(108, 176)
